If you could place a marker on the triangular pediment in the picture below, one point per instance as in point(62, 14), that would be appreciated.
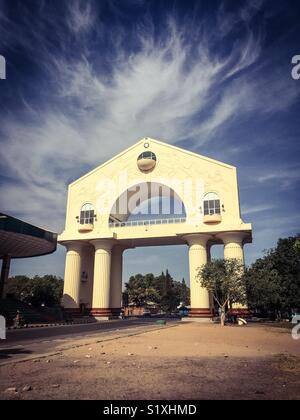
point(163, 146)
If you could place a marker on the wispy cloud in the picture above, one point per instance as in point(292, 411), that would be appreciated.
point(81, 16)
point(256, 209)
point(107, 94)
point(228, 20)
point(284, 177)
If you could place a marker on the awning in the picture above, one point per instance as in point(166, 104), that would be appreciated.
point(19, 239)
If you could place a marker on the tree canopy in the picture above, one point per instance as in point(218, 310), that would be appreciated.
point(37, 291)
point(224, 279)
point(273, 281)
point(161, 290)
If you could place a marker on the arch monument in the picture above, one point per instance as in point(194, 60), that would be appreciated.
point(99, 228)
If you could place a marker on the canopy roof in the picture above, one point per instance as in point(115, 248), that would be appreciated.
point(19, 239)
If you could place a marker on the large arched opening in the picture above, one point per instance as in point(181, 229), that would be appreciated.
point(145, 202)
point(145, 205)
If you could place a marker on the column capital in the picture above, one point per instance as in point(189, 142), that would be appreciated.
point(73, 245)
point(105, 244)
point(197, 239)
point(232, 237)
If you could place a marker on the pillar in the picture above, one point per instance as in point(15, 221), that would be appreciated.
point(116, 279)
point(233, 248)
point(72, 278)
point(87, 270)
point(4, 275)
point(233, 245)
point(200, 300)
point(211, 295)
point(101, 288)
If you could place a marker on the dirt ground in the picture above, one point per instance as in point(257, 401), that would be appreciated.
point(186, 361)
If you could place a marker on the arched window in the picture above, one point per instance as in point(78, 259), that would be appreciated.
point(87, 214)
point(211, 204)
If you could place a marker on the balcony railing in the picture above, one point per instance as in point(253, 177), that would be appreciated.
point(148, 222)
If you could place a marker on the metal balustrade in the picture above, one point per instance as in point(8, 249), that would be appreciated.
point(151, 222)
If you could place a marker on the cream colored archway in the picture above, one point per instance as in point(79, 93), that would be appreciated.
point(142, 192)
point(96, 237)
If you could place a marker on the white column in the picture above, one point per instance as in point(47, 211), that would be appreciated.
point(101, 287)
point(233, 245)
point(200, 301)
point(233, 248)
point(116, 279)
point(211, 296)
point(72, 278)
point(87, 267)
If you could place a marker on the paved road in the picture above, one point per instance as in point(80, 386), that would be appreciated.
point(30, 342)
point(13, 336)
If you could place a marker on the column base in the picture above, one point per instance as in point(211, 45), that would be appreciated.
point(199, 315)
point(196, 319)
point(105, 313)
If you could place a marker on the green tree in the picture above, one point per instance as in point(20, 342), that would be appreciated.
point(297, 243)
point(273, 281)
point(170, 300)
point(164, 282)
point(162, 290)
point(36, 291)
point(172, 292)
point(263, 286)
point(184, 293)
point(177, 293)
point(286, 261)
point(141, 289)
point(224, 279)
point(125, 299)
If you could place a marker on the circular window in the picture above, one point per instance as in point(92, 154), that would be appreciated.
point(146, 161)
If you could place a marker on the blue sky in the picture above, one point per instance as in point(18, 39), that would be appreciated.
point(87, 79)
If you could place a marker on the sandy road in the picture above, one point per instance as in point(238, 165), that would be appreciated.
point(28, 343)
point(184, 361)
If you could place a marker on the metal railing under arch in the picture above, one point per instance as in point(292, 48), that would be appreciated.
point(151, 222)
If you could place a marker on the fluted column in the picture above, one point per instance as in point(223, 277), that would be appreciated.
point(102, 269)
point(72, 277)
point(233, 245)
point(200, 300)
point(211, 295)
point(233, 248)
point(116, 279)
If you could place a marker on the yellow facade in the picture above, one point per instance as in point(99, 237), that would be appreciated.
point(93, 273)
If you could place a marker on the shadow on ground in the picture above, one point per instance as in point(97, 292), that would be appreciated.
point(8, 353)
